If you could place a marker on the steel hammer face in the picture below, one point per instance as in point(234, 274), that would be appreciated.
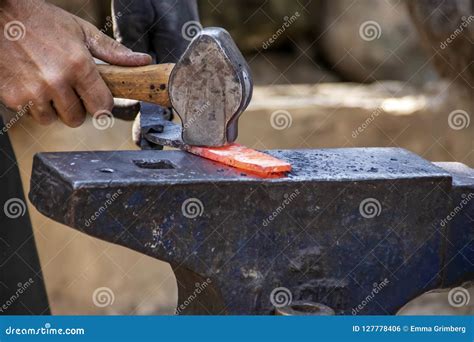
point(209, 88)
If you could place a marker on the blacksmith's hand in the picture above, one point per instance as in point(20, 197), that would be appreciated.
point(47, 62)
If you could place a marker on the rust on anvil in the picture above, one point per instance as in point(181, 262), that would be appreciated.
point(244, 158)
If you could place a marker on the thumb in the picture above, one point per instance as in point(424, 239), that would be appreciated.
point(107, 49)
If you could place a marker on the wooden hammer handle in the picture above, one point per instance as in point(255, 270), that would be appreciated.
point(148, 83)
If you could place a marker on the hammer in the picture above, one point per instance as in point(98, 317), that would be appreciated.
point(209, 87)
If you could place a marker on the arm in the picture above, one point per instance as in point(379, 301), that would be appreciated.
point(47, 58)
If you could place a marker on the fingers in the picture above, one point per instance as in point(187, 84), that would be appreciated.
point(93, 91)
point(65, 97)
point(69, 97)
point(37, 104)
point(111, 51)
point(44, 113)
point(69, 107)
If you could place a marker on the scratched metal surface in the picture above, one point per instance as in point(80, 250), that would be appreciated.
point(210, 87)
point(82, 168)
point(319, 246)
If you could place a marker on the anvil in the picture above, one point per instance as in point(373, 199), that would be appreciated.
point(359, 230)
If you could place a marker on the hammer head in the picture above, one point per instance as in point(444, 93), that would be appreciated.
point(209, 88)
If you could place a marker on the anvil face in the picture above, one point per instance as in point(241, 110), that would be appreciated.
point(344, 221)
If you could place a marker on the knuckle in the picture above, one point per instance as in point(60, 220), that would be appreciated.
point(44, 118)
point(88, 27)
point(55, 82)
point(17, 99)
point(78, 62)
point(89, 76)
point(17, 104)
point(37, 94)
point(11, 102)
point(36, 91)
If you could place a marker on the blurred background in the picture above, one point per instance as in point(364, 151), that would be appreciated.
point(337, 73)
